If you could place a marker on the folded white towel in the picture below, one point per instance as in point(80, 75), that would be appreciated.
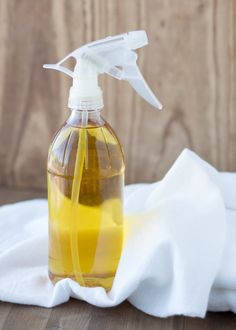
point(180, 256)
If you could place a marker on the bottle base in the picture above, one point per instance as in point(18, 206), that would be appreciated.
point(89, 280)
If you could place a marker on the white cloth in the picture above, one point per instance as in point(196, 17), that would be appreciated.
point(180, 255)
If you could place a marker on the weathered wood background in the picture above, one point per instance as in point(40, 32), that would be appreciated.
point(190, 64)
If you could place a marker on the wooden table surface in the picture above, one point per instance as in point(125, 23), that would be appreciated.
point(80, 315)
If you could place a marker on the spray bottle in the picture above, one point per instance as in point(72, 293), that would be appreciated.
point(86, 166)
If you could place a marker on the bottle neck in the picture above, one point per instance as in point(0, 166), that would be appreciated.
point(84, 118)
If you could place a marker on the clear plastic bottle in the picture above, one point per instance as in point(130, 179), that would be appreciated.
point(85, 238)
point(86, 165)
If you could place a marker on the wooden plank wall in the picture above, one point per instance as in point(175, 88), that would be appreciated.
point(190, 63)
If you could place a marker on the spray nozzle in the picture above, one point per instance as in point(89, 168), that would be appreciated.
point(112, 55)
point(59, 68)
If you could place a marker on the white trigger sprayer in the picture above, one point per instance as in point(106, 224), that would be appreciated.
point(116, 57)
point(112, 55)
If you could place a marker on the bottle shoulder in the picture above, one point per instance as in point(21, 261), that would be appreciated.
point(103, 150)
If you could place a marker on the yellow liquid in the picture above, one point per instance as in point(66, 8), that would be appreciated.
point(95, 221)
